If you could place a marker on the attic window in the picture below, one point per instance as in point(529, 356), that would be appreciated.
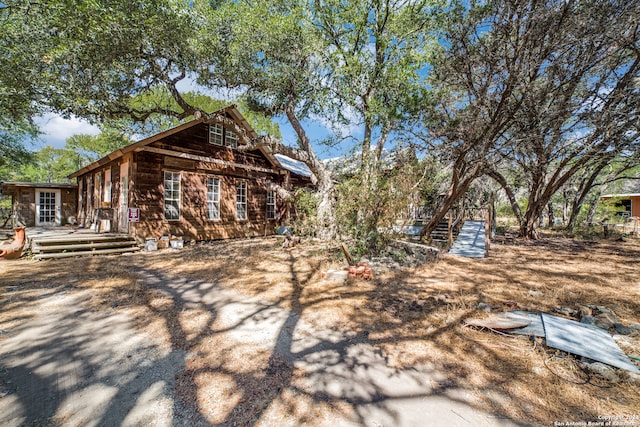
point(215, 134)
point(231, 139)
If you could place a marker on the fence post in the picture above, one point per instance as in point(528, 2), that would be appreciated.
point(450, 228)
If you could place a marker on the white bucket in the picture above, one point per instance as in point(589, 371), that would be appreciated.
point(151, 244)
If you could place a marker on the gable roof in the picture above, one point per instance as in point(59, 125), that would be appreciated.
point(230, 110)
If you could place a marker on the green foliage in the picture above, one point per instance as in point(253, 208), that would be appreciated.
point(269, 49)
point(56, 164)
point(160, 99)
point(13, 151)
point(401, 185)
point(377, 55)
point(504, 210)
point(362, 232)
point(15, 136)
point(610, 209)
point(48, 165)
point(305, 213)
point(89, 148)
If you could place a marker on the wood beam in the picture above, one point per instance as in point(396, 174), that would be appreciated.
point(206, 159)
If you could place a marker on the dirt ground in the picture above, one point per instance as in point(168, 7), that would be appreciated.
point(246, 333)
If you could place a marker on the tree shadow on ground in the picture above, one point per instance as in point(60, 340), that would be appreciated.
point(248, 340)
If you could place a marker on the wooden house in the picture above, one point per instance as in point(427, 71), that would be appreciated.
point(189, 181)
point(40, 204)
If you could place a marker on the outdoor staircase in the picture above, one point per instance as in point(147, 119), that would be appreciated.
point(440, 235)
point(82, 245)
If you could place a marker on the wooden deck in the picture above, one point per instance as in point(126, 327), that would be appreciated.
point(64, 242)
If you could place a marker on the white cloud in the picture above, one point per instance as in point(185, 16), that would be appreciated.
point(55, 129)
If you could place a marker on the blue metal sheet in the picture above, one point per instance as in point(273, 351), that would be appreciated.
point(585, 340)
point(535, 327)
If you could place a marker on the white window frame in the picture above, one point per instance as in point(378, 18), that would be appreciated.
point(241, 201)
point(106, 195)
point(271, 204)
point(216, 134)
point(213, 198)
point(230, 138)
point(172, 178)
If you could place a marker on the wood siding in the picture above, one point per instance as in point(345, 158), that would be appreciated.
point(24, 204)
point(146, 188)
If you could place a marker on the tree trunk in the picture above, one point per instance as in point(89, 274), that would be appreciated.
point(552, 216)
point(528, 225)
point(501, 180)
point(576, 206)
point(592, 210)
point(327, 228)
point(528, 229)
point(457, 190)
point(583, 192)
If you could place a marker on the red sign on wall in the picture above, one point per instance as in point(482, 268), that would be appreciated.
point(133, 214)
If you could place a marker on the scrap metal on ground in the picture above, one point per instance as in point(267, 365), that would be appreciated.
point(562, 334)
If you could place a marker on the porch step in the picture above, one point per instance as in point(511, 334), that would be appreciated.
point(82, 245)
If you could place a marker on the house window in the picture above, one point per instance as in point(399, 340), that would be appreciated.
point(623, 208)
point(215, 134)
point(271, 205)
point(213, 198)
point(172, 195)
point(231, 139)
point(107, 186)
point(241, 201)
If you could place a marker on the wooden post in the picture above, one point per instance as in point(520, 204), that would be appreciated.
point(347, 254)
point(450, 228)
point(487, 226)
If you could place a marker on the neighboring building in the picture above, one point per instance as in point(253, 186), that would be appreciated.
point(41, 204)
point(628, 204)
point(188, 181)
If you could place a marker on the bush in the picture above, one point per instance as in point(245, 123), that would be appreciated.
point(304, 219)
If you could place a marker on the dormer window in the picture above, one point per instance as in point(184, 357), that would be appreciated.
point(231, 138)
point(215, 134)
point(222, 137)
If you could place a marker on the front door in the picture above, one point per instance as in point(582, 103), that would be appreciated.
point(48, 210)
